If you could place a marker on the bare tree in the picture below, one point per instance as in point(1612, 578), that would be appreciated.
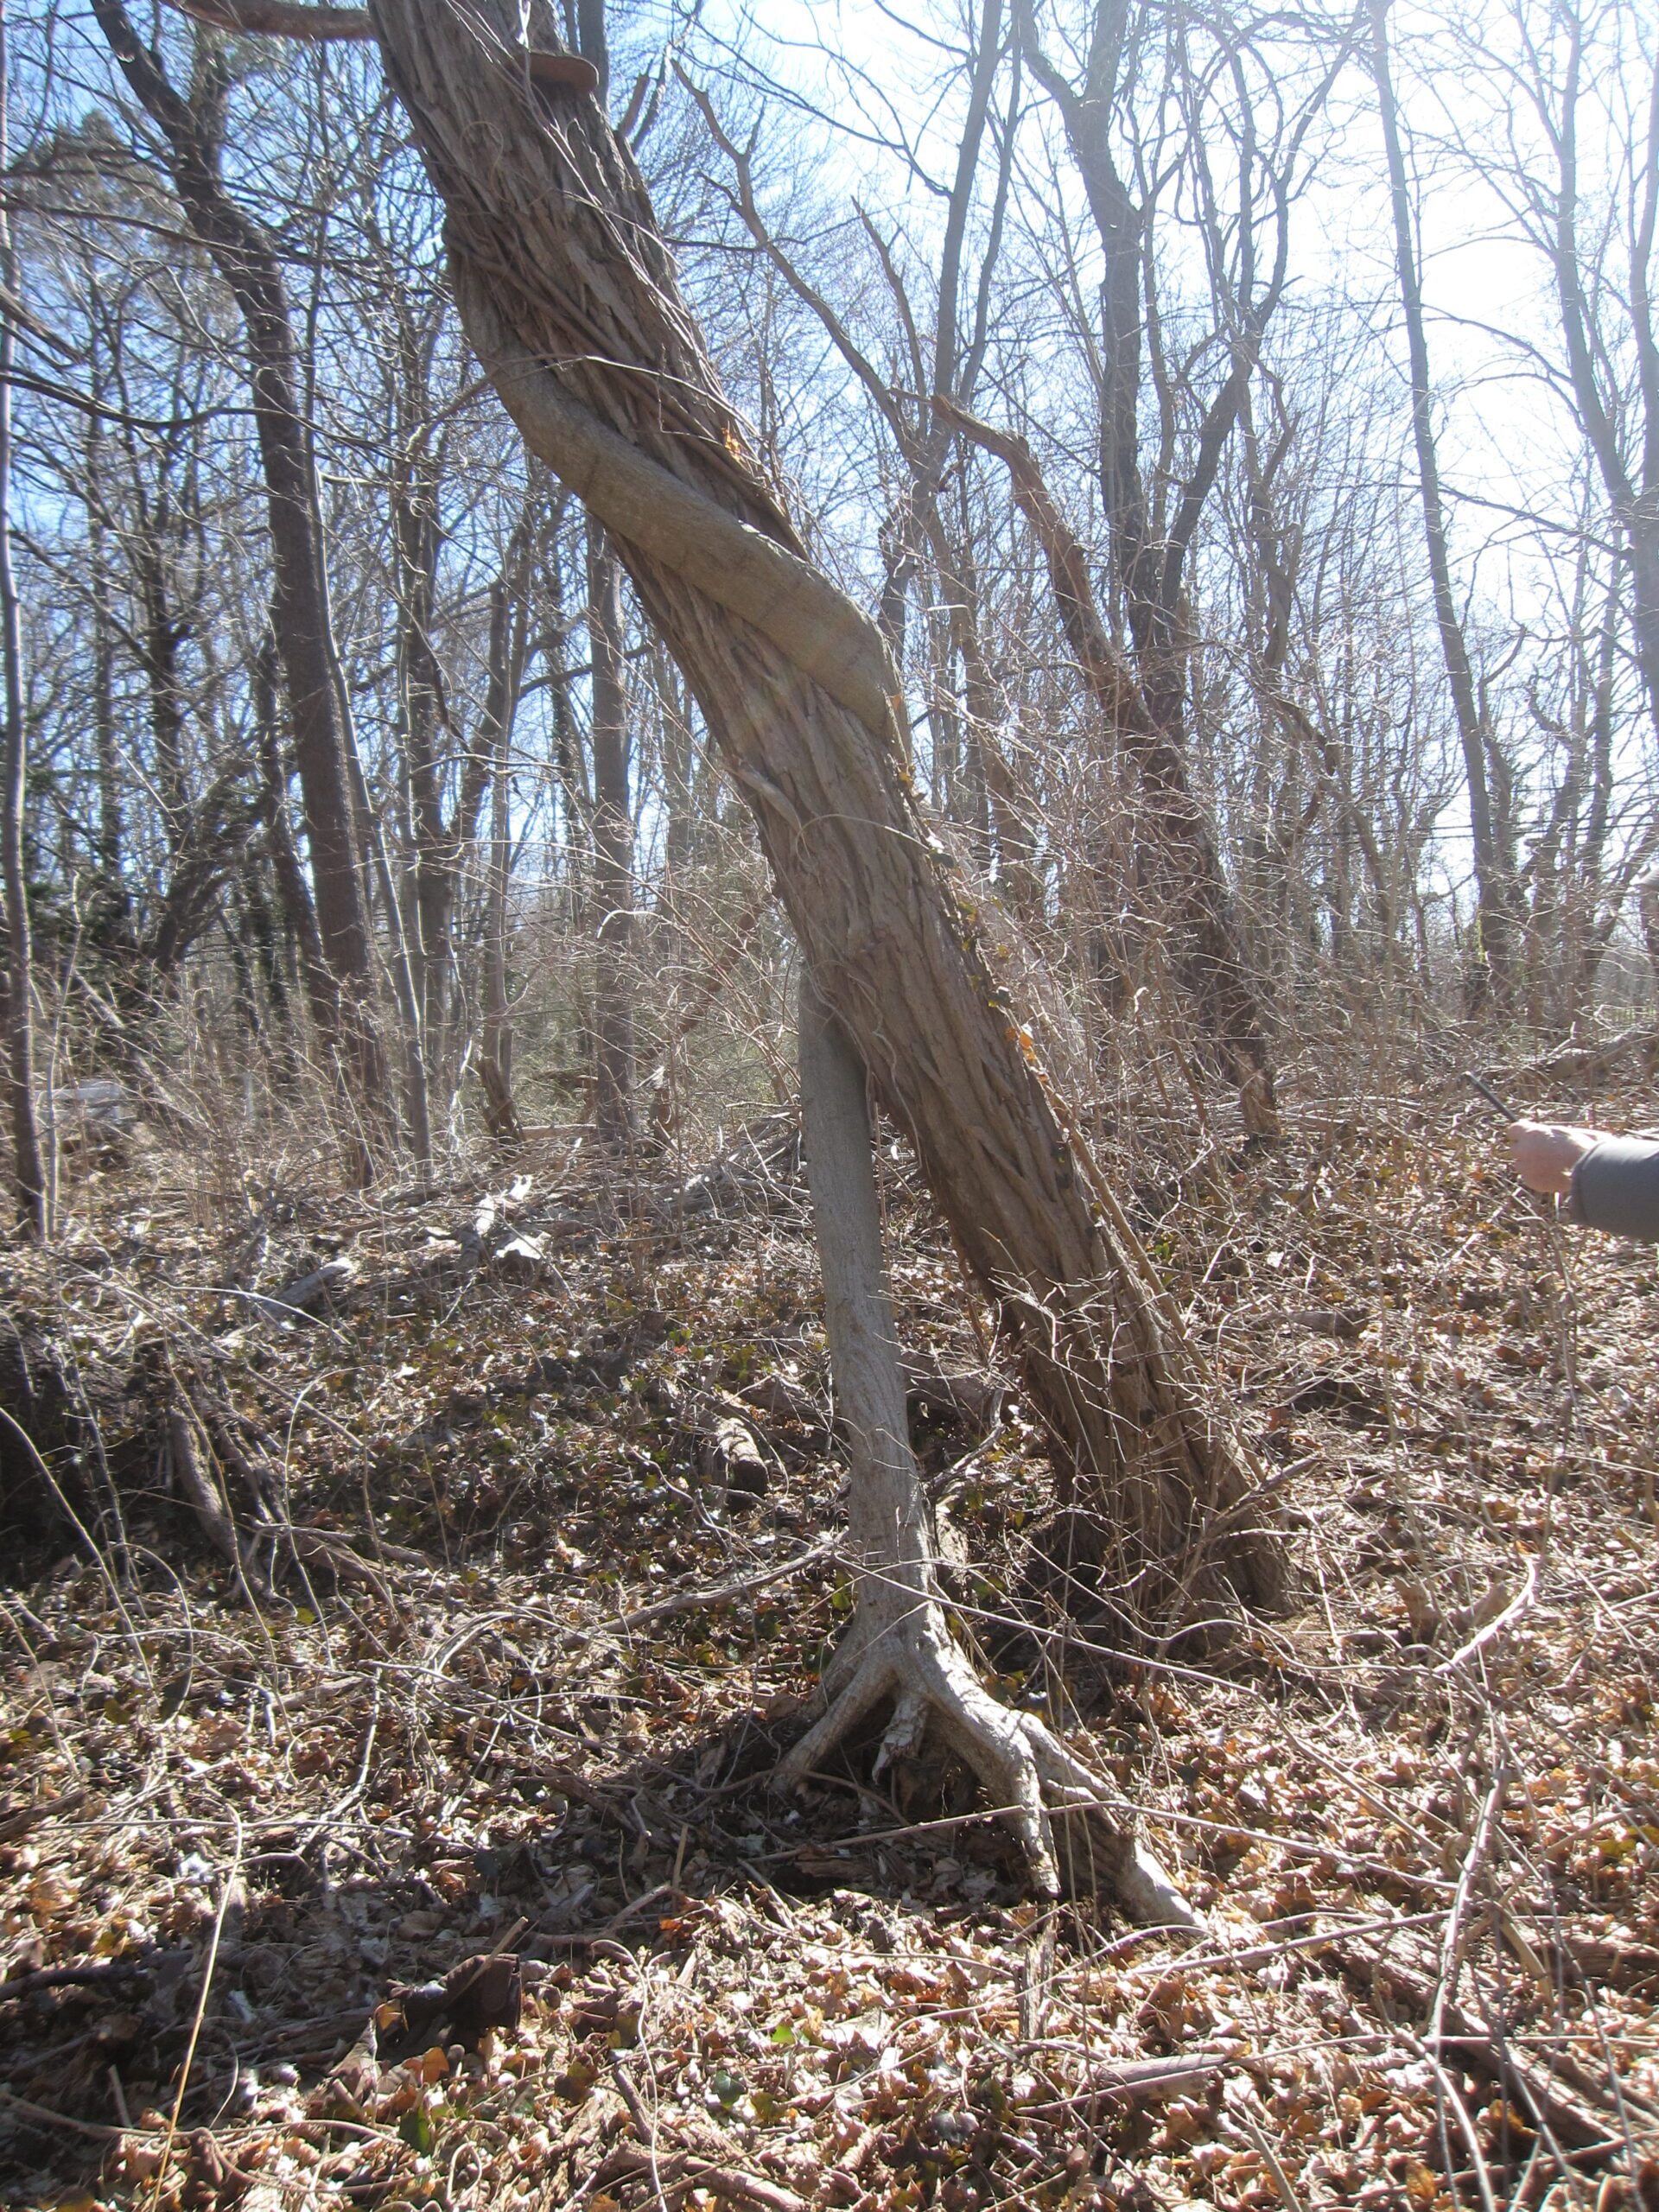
point(1312, 780)
point(1495, 966)
point(1181, 882)
point(1153, 524)
point(27, 1166)
point(1607, 330)
point(248, 262)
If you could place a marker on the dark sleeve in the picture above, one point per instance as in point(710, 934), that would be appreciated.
point(1616, 1188)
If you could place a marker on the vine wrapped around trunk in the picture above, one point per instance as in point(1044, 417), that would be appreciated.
point(570, 297)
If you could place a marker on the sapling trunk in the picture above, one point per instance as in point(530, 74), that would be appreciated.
point(614, 1049)
point(28, 1168)
point(899, 1650)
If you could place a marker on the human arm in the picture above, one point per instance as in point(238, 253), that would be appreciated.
point(1616, 1188)
point(1610, 1183)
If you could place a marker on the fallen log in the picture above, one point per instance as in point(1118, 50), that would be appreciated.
point(728, 1453)
point(1145, 2078)
point(301, 1297)
point(1556, 2095)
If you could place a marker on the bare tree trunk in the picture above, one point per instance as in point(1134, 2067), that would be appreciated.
point(612, 825)
point(1648, 894)
point(436, 855)
point(495, 1048)
point(1185, 885)
point(1614, 419)
point(613, 888)
point(112, 830)
point(114, 902)
point(1496, 968)
point(508, 634)
point(1585, 942)
point(292, 890)
point(417, 1094)
point(247, 261)
point(897, 1650)
point(28, 1167)
point(159, 638)
point(1277, 545)
point(557, 260)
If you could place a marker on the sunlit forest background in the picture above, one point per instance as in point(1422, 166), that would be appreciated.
point(865, 212)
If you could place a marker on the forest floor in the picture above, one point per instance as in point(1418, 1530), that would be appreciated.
point(242, 1808)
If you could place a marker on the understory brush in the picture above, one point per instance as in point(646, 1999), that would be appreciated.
point(403, 1579)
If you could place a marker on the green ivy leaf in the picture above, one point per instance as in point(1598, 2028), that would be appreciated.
point(416, 2130)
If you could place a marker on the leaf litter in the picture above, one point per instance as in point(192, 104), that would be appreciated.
point(386, 1863)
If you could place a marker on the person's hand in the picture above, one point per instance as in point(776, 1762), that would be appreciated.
point(1545, 1153)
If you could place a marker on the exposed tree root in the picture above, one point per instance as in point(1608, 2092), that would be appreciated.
point(898, 1647)
point(916, 1664)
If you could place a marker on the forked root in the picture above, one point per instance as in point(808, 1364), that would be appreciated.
point(1022, 1765)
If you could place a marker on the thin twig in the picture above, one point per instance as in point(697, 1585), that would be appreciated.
point(1270, 2157)
point(685, 1601)
point(233, 1885)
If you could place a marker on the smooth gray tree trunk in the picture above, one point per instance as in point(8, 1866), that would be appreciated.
point(897, 1650)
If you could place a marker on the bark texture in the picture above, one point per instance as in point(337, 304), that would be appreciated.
point(571, 298)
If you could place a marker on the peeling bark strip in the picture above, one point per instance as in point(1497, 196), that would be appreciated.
point(739, 567)
point(560, 270)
